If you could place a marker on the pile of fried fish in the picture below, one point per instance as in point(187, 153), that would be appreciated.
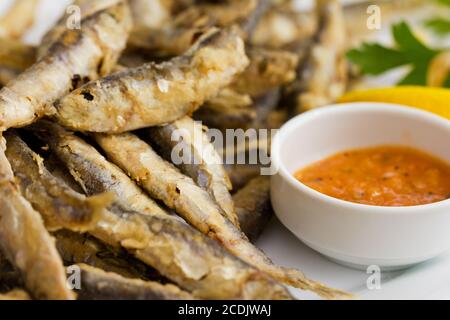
point(87, 120)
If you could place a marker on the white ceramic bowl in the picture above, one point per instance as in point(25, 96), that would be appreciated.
point(356, 234)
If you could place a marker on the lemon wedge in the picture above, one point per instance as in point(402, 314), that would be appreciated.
point(435, 100)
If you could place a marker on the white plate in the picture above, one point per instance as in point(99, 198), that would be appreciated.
point(430, 280)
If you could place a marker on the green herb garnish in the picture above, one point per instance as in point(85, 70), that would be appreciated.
point(375, 59)
point(440, 26)
point(444, 2)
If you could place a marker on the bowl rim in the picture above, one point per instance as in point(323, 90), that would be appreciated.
point(343, 108)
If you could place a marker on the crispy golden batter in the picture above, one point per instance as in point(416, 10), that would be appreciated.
point(67, 208)
point(268, 69)
point(91, 170)
point(246, 63)
point(247, 102)
point(86, 9)
point(220, 115)
point(179, 252)
point(77, 55)
point(176, 36)
point(164, 182)
point(25, 241)
point(322, 78)
point(97, 284)
point(155, 94)
point(166, 42)
point(217, 116)
point(244, 13)
point(76, 248)
point(200, 160)
point(230, 99)
point(183, 255)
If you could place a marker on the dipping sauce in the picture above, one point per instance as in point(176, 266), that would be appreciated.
point(381, 176)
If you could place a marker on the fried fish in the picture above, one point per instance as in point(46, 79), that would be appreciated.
point(218, 114)
point(179, 252)
point(215, 115)
point(268, 70)
point(39, 187)
point(322, 77)
point(92, 172)
point(176, 36)
point(155, 94)
point(26, 242)
point(86, 8)
point(244, 13)
point(228, 99)
point(164, 182)
point(183, 255)
point(97, 284)
point(199, 160)
point(75, 247)
point(76, 56)
point(253, 206)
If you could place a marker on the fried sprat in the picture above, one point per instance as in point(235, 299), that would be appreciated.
point(78, 55)
point(155, 94)
point(26, 242)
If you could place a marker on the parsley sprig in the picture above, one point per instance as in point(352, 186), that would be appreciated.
point(444, 2)
point(375, 59)
point(440, 25)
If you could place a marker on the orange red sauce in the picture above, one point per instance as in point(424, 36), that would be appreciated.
point(381, 176)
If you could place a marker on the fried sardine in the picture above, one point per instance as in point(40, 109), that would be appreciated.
point(253, 206)
point(179, 252)
point(26, 242)
point(86, 9)
point(199, 159)
point(155, 94)
point(164, 182)
point(78, 55)
point(40, 187)
point(322, 77)
point(97, 284)
point(77, 247)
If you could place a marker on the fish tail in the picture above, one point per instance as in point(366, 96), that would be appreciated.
point(296, 279)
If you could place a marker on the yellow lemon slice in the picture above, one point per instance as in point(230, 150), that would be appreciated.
point(435, 100)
